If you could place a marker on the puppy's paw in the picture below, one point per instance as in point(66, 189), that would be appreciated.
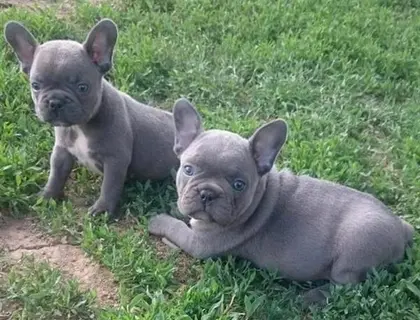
point(49, 194)
point(159, 224)
point(100, 207)
point(317, 297)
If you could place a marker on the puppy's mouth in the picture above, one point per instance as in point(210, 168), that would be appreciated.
point(216, 210)
point(58, 123)
point(64, 117)
point(201, 215)
point(55, 122)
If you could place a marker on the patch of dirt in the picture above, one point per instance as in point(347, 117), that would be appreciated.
point(7, 309)
point(185, 271)
point(20, 237)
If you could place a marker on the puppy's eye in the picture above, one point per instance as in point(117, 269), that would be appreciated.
point(188, 170)
point(35, 86)
point(82, 87)
point(238, 185)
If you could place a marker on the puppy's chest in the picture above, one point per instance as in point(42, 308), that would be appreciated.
point(77, 144)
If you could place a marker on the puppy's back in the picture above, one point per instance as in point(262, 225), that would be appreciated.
point(153, 132)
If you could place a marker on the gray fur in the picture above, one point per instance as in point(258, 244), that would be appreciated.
point(308, 229)
point(101, 127)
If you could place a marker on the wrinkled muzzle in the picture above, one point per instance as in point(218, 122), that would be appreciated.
point(60, 109)
point(207, 202)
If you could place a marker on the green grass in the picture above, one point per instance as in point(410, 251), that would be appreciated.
point(40, 292)
point(345, 74)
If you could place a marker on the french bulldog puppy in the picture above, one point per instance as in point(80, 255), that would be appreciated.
point(239, 204)
point(104, 129)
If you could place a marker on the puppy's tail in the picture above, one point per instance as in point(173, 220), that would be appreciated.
point(408, 233)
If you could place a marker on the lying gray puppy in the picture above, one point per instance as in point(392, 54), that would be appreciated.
point(239, 204)
point(103, 128)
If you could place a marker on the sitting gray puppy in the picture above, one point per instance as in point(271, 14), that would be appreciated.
point(103, 128)
point(239, 204)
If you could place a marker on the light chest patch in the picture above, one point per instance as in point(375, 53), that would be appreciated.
point(80, 150)
point(200, 225)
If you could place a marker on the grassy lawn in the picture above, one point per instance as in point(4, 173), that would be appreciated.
point(345, 74)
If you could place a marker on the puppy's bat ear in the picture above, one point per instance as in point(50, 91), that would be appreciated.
point(266, 143)
point(23, 43)
point(100, 43)
point(187, 125)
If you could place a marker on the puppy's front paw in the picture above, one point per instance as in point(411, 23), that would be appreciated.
point(317, 297)
point(49, 194)
point(159, 224)
point(99, 207)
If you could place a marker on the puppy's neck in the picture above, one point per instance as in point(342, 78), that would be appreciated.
point(261, 210)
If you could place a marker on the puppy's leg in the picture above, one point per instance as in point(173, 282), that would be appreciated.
point(360, 254)
point(169, 244)
point(112, 185)
point(179, 234)
point(350, 267)
point(61, 163)
point(340, 274)
point(370, 243)
point(317, 296)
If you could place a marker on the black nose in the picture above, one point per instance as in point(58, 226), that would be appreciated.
point(206, 196)
point(55, 104)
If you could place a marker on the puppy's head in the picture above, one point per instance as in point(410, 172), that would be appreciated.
point(65, 76)
point(220, 171)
